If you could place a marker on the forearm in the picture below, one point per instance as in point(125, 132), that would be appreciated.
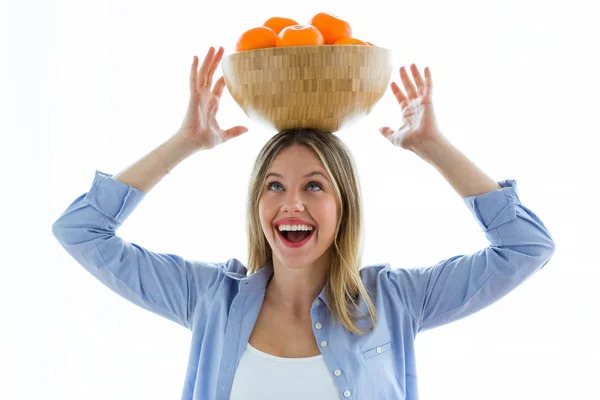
point(460, 172)
point(150, 169)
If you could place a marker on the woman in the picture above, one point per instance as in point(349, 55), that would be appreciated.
point(302, 320)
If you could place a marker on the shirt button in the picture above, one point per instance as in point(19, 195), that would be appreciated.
point(323, 343)
point(337, 372)
point(347, 393)
point(318, 302)
point(318, 325)
point(379, 349)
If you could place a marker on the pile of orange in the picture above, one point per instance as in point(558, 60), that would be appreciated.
point(322, 29)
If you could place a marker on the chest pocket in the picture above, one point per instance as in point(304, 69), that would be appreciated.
point(378, 350)
point(381, 370)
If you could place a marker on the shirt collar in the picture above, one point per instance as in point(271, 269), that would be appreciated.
point(259, 280)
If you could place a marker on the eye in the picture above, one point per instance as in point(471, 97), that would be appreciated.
point(315, 183)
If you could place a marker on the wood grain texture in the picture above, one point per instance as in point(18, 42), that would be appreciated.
point(323, 87)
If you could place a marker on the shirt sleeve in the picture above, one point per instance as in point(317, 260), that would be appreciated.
point(164, 284)
point(459, 286)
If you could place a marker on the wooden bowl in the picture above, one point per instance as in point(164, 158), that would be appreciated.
point(323, 87)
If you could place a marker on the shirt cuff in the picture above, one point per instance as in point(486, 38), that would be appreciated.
point(496, 207)
point(113, 198)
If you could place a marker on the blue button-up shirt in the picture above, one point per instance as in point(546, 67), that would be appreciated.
point(219, 303)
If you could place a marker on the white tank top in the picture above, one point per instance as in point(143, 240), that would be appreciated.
point(266, 377)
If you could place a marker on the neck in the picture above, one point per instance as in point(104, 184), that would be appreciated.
point(293, 299)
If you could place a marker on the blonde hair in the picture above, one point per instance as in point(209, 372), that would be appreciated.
point(344, 281)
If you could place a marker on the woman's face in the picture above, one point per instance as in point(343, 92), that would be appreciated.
point(295, 195)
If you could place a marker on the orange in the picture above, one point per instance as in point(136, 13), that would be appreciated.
point(300, 35)
point(278, 23)
point(350, 41)
point(256, 38)
point(370, 44)
point(331, 27)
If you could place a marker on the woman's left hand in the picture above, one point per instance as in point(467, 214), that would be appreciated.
point(419, 124)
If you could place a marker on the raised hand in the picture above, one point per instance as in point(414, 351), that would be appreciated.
point(419, 122)
point(200, 123)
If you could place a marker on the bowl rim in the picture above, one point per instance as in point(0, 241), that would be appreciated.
point(292, 48)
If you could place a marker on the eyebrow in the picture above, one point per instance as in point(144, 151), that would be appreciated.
point(305, 176)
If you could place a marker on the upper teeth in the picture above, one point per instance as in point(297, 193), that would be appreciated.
point(295, 228)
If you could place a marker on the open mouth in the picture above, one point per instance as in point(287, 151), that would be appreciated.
point(295, 238)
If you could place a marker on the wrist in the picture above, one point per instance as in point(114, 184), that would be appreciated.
point(174, 150)
point(433, 149)
point(183, 144)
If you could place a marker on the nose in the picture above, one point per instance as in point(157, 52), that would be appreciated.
point(292, 201)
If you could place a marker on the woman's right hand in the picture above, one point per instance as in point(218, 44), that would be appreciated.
point(200, 124)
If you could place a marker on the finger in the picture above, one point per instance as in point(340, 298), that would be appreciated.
point(194, 75)
point(428, 90)
point(408, 85)
point(399, 95)
point(418, 79)
point(390, 134)
point(386, 131)
point(219, 85)
point(234, 132)
point(202, 74)
point(213, 66)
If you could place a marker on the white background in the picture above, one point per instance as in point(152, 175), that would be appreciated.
point(96, 85)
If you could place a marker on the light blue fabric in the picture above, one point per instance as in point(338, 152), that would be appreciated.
point(220, 304)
